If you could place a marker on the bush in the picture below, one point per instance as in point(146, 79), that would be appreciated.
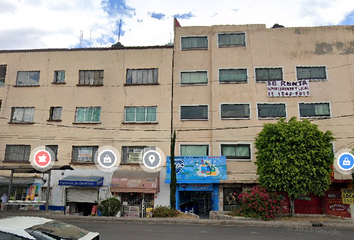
point(110, 207)
point(258, 203)
point(163, 212)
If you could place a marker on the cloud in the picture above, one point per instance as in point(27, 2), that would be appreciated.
point(158, 16)
point(7, 7)
point(184, 15)
point(22, 38)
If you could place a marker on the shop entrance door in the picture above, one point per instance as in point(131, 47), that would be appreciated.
point(197, 202)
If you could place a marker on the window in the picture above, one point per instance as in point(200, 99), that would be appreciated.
point(194, 150)
point(194, 112)
point(269, 74)
point(27, 78)
point(134, 154)
point(59, 76)
point(91, 77)
point(88, 114)
point(17, 153)
point(198, 77)
point(140, 114)
point(233, 75)
point(84, 154)
point(236, 151)
point(314, 110)
point(235, 111)
point(270, 110)
point(142, 76)
point(2, 75)
point(231, 39)
point(311, 73)
point(54, 149)
point(189, 43)
point(22, 115)
point(9, 236)
point(55, 113)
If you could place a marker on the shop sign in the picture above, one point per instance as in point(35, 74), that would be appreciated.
point(288, 89)
point(348, 196)
point(335, 204)
point(135, 156)
point(198, 168)
point(195, 187)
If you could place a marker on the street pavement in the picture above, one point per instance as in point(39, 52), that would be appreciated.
point(146, 231)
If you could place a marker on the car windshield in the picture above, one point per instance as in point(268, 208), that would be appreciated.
point(56, 230)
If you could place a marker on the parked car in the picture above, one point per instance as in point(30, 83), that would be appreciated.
point(36, 228)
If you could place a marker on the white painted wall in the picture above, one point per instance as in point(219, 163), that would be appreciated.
point(163, 197)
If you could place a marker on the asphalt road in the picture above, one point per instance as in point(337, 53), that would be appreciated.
point(136, 231)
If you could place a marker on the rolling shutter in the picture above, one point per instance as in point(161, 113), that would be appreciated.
point(82, 195)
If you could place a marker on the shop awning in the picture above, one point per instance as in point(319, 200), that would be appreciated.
point(16, 181)
point(135, 181)
point(82, 181)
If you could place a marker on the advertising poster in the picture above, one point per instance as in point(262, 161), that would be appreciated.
point(32, 191)
point(335, 205)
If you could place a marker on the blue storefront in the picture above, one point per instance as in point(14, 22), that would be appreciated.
point(198, 182)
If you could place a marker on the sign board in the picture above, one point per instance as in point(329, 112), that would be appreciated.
point(195, 187)
point(189, 169)
point(299, 88)
point(348, 196)
point(85, 155)
point(335, 204)
point(135, 156)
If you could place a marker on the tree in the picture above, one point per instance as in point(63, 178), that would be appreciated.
point(173, 185)
point(294, 157)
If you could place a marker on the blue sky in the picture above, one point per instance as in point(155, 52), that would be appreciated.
point(59, 24)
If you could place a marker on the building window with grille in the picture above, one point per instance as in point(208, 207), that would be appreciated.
point(231, 40)
point(134, 154)
point(55, 113)
point(315, 110)
point(22, 115)
point(197, 112)
point(90, 78)
point(194, 78)
point(235, 111)
point(17, 153)
point(194, 150)
point(236, 151)
point(2, 75)
point(140, 115)
point(27, 78)
point(269, 74)
point(271, 110)
point(233, 75)
point(84, 154)
point(53, 151)
point(88, 115)
point(142, 76)
point(59, 76)
point(311, 73)
point(194, 43)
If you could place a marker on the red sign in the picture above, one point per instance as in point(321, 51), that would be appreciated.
point(42, 158)
point(335, 206)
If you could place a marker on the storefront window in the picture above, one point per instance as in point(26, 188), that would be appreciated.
point(131, 203)
point(230, 197)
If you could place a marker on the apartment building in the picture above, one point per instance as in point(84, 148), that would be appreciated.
point(230, 80)
point(74, 101)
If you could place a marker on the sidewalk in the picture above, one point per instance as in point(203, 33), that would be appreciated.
point(305, 222)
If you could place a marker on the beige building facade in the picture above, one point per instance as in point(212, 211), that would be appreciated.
point(225, 89)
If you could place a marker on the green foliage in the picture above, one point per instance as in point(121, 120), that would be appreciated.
point(173, 185)
point(110, 207)
point(258, 203)
point(294, 157)
point(164, 212)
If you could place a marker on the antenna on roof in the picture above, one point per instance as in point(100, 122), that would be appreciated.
point(90, 37)
point(120, 25)
point(81, 38)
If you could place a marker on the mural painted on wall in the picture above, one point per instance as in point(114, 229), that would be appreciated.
point(198, 168)
point(288, 89)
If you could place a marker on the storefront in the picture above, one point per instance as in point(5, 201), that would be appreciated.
point(81, 193)
point(136, 190)
point(198, 182)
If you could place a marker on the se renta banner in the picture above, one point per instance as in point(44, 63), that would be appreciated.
point(348, 196)
point(299, 88)
point(198, 169)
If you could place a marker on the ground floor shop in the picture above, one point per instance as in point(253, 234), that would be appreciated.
point(136, 190)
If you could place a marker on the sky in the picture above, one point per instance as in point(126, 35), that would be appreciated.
point(29, 24)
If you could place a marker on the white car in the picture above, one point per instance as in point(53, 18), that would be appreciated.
point(25, 228)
